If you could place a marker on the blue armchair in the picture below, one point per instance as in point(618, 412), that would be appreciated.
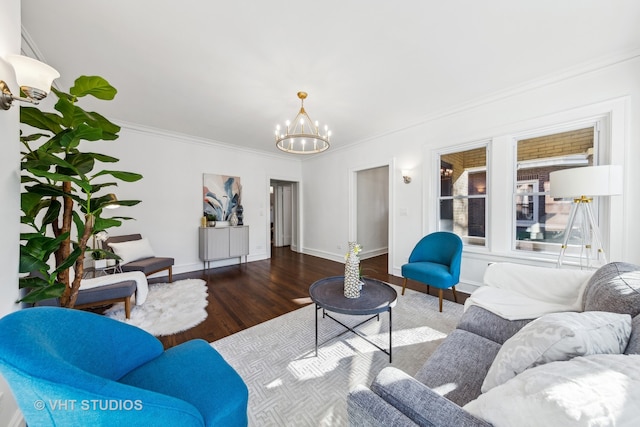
point(435, 261)
point(69, 367)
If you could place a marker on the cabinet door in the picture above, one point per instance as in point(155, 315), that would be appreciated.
point(215, 243)
point(238, 241)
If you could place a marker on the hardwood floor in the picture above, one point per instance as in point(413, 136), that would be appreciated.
point(241, 296)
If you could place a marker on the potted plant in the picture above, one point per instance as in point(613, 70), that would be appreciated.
point(63, 192)
point(103, 258)
point(211, 219)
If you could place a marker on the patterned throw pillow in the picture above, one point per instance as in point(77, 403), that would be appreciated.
point(556, 337)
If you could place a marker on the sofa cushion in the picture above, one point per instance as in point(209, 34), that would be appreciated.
point(601, 390)
point(458, 366)
point(416, 401)
point(614, 287)
point(149, 265)
point(559, 336)
point(482, 322)
point(132, 250)
point(634, 340)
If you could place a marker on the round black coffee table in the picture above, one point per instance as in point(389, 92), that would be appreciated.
point(375, 297)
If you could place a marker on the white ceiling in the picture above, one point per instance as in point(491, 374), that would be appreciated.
point(229, 71)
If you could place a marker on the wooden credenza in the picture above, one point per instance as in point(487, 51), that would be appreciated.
point(223, 243)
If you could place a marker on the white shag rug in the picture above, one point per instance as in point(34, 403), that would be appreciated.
point(290, 386)
point(170, 308)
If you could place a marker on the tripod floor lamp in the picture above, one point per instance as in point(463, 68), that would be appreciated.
point(583, 184)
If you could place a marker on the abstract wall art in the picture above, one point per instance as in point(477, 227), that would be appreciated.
point(221, 195)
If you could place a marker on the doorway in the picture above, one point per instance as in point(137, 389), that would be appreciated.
point(283, 200)
point(372, 211)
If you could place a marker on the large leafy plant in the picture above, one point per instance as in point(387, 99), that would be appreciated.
point(63, 195)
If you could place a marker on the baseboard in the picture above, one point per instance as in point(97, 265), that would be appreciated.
point(373, 253)
point(322, 254)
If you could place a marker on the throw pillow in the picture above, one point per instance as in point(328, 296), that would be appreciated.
point(132, 250)
point(559, 336)
point(614, 287)
point(600, 390)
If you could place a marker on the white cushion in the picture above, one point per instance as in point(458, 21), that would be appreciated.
point(596, 390)
point(559, 336)
point(132, 250)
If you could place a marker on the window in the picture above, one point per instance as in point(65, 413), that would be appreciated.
point(539, 220)
point(463, 194)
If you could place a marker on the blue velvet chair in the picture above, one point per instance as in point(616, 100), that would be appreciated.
point(70, 368)
point(435, 261)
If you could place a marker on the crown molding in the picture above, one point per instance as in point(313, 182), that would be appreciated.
point(584, 69)
point(194, 140)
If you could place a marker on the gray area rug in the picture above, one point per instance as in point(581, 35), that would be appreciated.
point(289, 386)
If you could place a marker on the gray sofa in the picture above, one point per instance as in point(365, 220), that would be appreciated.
point(453, 375)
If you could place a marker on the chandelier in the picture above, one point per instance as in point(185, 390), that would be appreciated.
point(302, 136)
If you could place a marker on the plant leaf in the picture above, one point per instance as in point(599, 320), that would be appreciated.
point(52, 213)
point(124, 176)
point(93, 85)
point(40, 120)
point(54, 290)
point(29, 263)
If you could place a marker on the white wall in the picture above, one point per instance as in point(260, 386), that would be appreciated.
point(9, 162)
point(10, 190)
point(171, 190)
point(612, 89)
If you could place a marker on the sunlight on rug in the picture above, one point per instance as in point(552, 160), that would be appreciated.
point(169, 308)
point(289, 386)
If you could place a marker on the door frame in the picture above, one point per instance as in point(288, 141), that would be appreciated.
point(353, 206)
point(296, 209)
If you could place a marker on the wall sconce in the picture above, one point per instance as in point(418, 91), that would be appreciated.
point(113, 202)
point(406, 176)
point(33, 77)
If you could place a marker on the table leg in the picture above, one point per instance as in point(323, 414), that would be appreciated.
point(316, 316)
point(390, 334)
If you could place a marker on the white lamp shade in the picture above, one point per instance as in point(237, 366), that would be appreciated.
point(587, 181)
point(32, 73)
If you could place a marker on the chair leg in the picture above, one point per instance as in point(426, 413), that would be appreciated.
point(127, 307)
point(404, 285)
point(170, 274)
point(455, 297)
point(440, 295)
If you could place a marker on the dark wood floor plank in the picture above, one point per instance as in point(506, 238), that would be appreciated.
point(242, 296)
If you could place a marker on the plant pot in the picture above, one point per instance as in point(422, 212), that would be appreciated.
point(99, 263)
point(211, 223)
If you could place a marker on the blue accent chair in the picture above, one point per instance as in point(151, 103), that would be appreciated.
point(435, 261)
point(70, 368)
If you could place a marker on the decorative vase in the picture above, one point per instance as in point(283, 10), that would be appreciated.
point(239, 210)
point(234, 219)
point(352, 272)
